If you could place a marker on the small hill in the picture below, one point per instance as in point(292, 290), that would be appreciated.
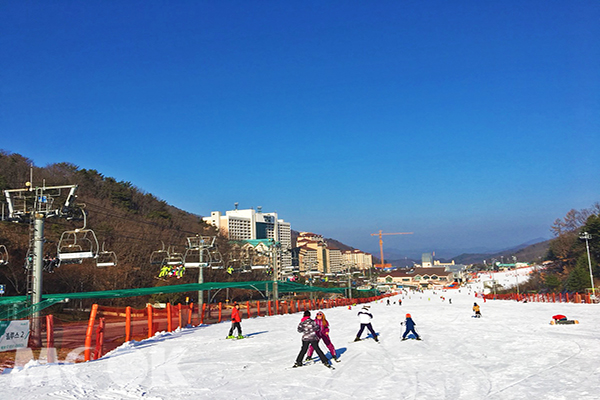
point(524, 253)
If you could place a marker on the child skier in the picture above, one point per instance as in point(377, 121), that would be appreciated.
point(323, 334)
point(410, 327)
point(476, 310)
point(309, 329)
point(236, 318)
point(365, 322)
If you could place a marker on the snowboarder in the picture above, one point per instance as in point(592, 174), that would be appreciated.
point(476, 310)
point(365, 322)
point(410, 328)
point(236, 319)
point(323, 334)
point(309, 329)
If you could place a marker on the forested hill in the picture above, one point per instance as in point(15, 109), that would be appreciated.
point(127, 220)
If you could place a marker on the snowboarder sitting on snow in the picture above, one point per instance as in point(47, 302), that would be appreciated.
point(236, 318)
point(309, 329)
point(323, 333)
point(410, 328)
point(365, 322)
point(476, 310)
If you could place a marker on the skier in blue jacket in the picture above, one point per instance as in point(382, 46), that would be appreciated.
point(410, 327)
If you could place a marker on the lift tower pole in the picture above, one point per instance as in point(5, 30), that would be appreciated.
point(34, 205)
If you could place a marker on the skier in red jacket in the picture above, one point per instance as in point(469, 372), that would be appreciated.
point(236, 318)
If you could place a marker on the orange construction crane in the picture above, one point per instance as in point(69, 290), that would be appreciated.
point(381, 241)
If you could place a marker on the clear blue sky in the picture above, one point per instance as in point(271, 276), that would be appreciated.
point(469, 123)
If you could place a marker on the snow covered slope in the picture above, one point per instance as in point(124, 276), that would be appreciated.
point(512, 352)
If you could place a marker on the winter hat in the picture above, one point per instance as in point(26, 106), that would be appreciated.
point(307, 313)
point(408, 316)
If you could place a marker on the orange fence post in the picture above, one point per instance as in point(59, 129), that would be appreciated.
point(190, 312)
point(51, 352)
point(269, 306)
point(99, 339)
point(202, 314)
point(89, 331)
point(180, 320)
point(248, 312)
point(150, 321)
point(127, 323)
point(220, 311)
point(258, 308)
point(169, 318)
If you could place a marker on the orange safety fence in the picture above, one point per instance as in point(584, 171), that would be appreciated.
point(110, 327)
point(544, 297)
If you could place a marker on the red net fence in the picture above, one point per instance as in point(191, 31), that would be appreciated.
point(544, 297)
point(110, 327)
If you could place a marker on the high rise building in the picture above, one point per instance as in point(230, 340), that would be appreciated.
point(253, 224)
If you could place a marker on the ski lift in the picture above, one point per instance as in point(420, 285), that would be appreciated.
point(197, 253)
point(106, 258)
point(77, 244)
point(173, 258)
point(196, 258)
point(158, 257)
point(3, 255)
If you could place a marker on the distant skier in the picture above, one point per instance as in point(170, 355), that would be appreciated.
point(324, 335)
point(236, 320)
point(410, 328)
point(399, 302)
point(365, 322)
point(388, 302)
point(476, 310)
point(309, 329)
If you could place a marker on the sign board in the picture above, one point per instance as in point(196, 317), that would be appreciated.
point(13, 334)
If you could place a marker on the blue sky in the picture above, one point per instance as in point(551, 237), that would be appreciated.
point(472, 124)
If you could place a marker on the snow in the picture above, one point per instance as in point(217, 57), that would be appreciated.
point(512, 352)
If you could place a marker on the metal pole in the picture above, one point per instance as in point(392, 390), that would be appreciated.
point(275, 273)
point(201, 279)
point(587, 236)
point(349, 283)
point(38, 264)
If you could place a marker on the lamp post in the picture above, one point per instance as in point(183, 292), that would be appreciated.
point(587, 237)
point(516, 275)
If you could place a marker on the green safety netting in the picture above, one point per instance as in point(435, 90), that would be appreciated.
point(15, 307)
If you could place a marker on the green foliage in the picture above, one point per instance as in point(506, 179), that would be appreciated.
point(579, 279)
point(552, 282)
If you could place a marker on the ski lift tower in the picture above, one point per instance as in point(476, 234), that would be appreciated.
point(33, 205)
point(197, 255)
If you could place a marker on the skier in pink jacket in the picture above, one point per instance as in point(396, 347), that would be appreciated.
point(323, 334)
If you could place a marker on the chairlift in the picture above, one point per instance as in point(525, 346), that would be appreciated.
point(158, 257)
point(174, 258)
point(77, 244)
point(196, 258)
point(106, 258)
point(3, 255)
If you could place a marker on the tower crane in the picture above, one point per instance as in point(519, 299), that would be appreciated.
point(380, 234)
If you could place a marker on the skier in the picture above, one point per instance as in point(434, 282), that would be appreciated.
point(309, 329)
point(323, 334)
point(476, 310)
point(365, 322)
point(236, 318)
point(410, 327)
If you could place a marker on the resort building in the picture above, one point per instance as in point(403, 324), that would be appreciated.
point(253, 224)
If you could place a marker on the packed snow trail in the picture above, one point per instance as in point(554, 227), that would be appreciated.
point(512, 352)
